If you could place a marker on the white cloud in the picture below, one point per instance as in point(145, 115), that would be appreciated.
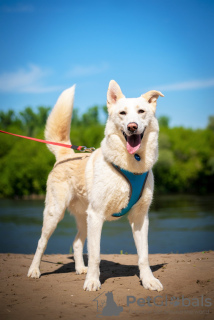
point(18, 8)
point(27, 80)
point(188, 85)
point(82, 71)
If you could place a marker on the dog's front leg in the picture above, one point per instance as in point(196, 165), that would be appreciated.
point(95, 223)
point(140, 233)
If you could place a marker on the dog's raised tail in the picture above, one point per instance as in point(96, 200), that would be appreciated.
point(58, 124)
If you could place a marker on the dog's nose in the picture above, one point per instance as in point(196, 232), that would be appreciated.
point(132, 126)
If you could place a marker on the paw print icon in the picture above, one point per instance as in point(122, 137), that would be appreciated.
point(174, 301)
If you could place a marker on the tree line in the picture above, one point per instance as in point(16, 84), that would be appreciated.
point(185, 164)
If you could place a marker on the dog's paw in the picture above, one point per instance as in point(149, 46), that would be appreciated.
point(34, 273)
point(92, 285)
point(81, 270)
point(151, 283)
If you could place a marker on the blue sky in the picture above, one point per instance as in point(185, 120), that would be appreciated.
point(167, 45)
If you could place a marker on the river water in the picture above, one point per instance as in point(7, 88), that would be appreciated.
point(178, 224)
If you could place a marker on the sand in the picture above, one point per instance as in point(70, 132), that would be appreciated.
point(188, 281)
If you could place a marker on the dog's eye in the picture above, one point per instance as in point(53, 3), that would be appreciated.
point(141, 111)
point(123, 112)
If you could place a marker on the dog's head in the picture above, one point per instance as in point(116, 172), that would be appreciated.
point(132, 117)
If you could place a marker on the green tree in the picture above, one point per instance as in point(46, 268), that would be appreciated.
point(75, 118)
point(42, 115)
point(29, 120)
point(164, 121)
point(8, 118)
point(211, 123)
point(91, 117)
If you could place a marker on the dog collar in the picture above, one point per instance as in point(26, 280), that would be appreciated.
point(137, 183)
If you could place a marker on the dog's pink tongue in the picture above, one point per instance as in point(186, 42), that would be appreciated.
point(133, 143)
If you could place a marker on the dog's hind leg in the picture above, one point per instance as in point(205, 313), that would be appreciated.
point(78, 243)
point(56, 204)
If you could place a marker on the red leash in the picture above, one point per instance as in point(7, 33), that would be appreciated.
point(79, 148)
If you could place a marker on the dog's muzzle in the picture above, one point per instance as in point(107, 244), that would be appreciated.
point(141, 135)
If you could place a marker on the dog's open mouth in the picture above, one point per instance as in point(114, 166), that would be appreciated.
point(133, 141)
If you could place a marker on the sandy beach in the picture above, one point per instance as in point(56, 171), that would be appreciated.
point(188, 281)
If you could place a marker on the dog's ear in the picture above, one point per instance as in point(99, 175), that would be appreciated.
point(151, 97)
point(114, 93)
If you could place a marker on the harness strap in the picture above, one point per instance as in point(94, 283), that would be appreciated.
point(70, 159)
point(137, 183)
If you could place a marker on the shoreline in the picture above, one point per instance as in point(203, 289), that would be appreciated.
point(162, 195)
point(188, 281)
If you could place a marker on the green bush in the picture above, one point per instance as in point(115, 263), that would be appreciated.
point(185, 165)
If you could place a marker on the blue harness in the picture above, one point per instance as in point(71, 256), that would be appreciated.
point(137, 183)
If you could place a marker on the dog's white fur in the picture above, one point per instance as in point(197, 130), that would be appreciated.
point(92, 189)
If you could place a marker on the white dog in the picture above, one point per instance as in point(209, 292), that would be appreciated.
point(104, 185)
